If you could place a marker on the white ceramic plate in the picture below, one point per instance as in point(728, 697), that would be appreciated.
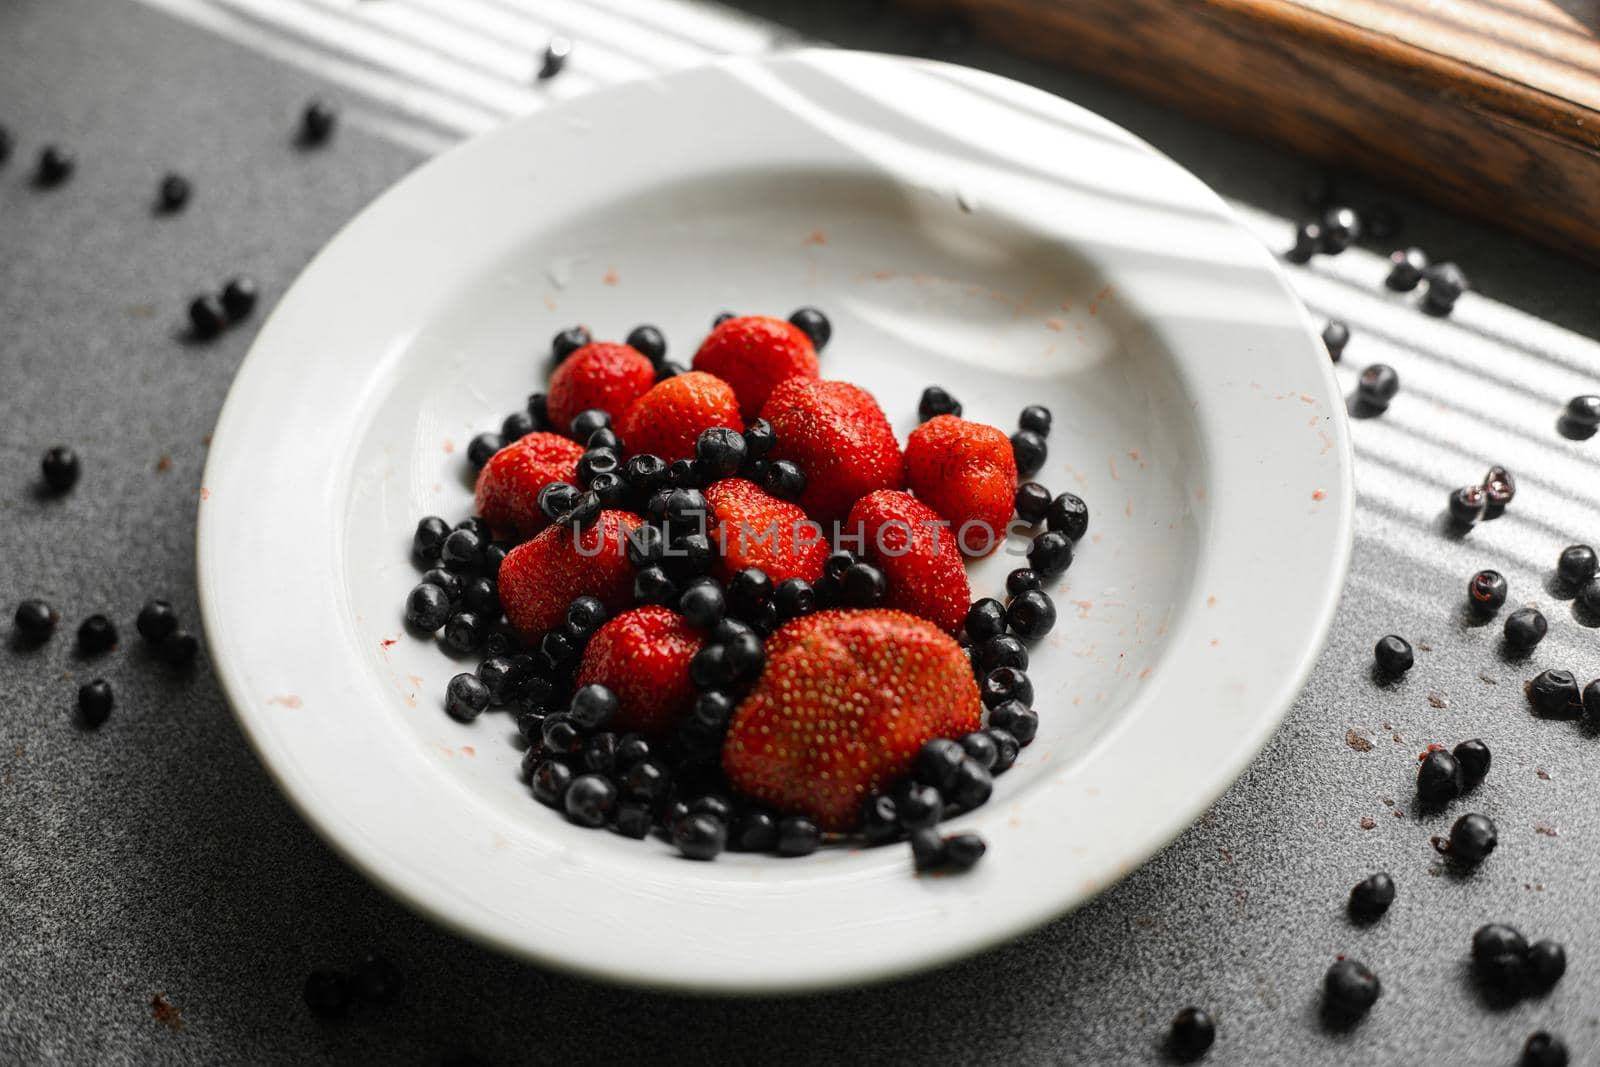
point(958, 228)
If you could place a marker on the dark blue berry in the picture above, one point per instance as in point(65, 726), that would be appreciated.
point(497, 673)
point(95, 700)
point(465, 632)
point(1350, 988)
point(979, 746)
point(784, 479)
point(1472, 838)
point(584, 513)
point(746, 657)
point(449, 581)
point(593, 708)
point(646, 545)
point(606, 438)
point(539, 410)
point(686, 508)
point(482, 448)
point(632, 820)
point(794, 598)
point(466, 697)
point(1335, 336)
point(1068, 514)
point(631, 749)
point(1467, 504)
point(702, 604)
point(759, 439)
point(550, 780)
point(797, 836)
point(481, 597)
point(649, 342)
point(1050, 554)
point(1544, 1049)
point(1446, 283)
point(1031, 502)
point(1499, 956)
point(1036, 419)
point(1499, 487)
point(554, 60)
point(516, 426)
point(937, 761)
point(754, 830)
point(494, 554)
point(1547, 962)
point(645, 473)
point(1030, 452)
point(1439, 777)
point(920, 805)
point(1372, 896)
point(711, 669)
point(1406, 268)
point(179, 648)
point(1486, 592)
point(173, 193)
point(600, 753)
point(156, 621)
point(568, 341)
point(1473, 757)
point(207, 317)
point(815, 325)
point(1021, 580)
point(1377, 386)
point(652, 586)
point(1393, 654)
point(1031, 615)
point(557, 652)
point(317, 121)
point(748, 589)
point(462, 551)
point(865, 586)
point(597, 461)
point(721, 317)
point(986, 618)
point(35, 620)
point(239, 297)
point(963, 851)
point(669, 369)
point(700, 837)
point(936, 401)
point(378, 981)
point(647, 782)
point(1191, 1033)
point(1007, 748)
point(880, 819)
point(970, 786)
point(585, 615)
point(561, 735)
point(927, 849)
point(1583, 412)
point(1006, 683)
point(610, 488)
point(1016, 719)
point(96, 634)
point(1577, 564)
point(1554, 694)
point(1307, 243)
point(427, 607)
point(60, 468)
point(689, 555)
point(586, 422)
point(1002, 651)
point(56, 165)
point(1341, 227)
point(1525, 628)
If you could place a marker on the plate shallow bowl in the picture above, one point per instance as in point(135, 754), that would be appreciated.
point(958, 228)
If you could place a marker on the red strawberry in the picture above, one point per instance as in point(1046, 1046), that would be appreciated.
point(670, 417)
point(752, 529)
point(509, 484)
point(917, 551)
point(539, 578)
point(838, 435)
point(965, 471)
point(643, 656)
point(598, 375)
point(753, 354)
point(844, 704)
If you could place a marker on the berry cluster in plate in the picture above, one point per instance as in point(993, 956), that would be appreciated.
point(724, 606)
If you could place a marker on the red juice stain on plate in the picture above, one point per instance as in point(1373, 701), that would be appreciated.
point(1318, 494)
point(388, 642)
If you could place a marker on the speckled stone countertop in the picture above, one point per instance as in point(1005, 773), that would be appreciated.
point(159, 902)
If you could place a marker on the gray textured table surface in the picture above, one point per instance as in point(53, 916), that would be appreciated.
point(159, 902)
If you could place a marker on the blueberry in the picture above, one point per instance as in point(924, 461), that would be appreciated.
point(449, 582)
point(1050, 554)
point(585, 615)
point(1372, 896)
point(317, 121)
point(647, 782)
point(550, 780)
point(493, 555)
point(797, 836)
point(880, 819)
point(96, 634)
point(1393, 655)
point(1191, 1033)
point(1031, 615)
point(1406, 267)
point(1002, 651)
point(1467, 504)
point(632, 820)
point(1439, 778)
point(597, 461)
point(1584, 411)
point(481, 597)
point(1377, 386)
point(794, 597)
point(156, 620)
point(1544, 1049)
point(1486, 592)
point(710, 668)
point(609, 489)
point(593, 708)
point(328, 994)
point(477, 524)
point(1554, 693)
point(1341, 227)
point(759, 439)
point(568, 341)
point(1589, 595)
point(1472, 838)
point(649, 342)
point(1006, 683)
point(378, 981)
point(464, 631)
point(239, 297)
point(1446, 283)
point(1499, 486)
point(600, 753)
point(815, 325)
point(754, 830)
point(686, 508)
point(482, 448)
point(539, 411)
point(700, 837)
point(1547, 962)
point(669, 369)
point(865, 586)
point(652, 586)
point(784, 479)
point(963, 851)
point(586, 423)
point(1350, 988)
point(1591, 704)
point(557, 652)
point(462, 550)
point(1307, 243)
point(839, 561)
point(466, 697)
point(1006, 746)
point(682, 474)
point(711, 712)
point(1577, 564)
point(497, 673)
point(919, 805)
point(35, 620)
point(645, 473)
point(1030, 451)
point(971, 786)
point(980, 747)
point(207, 318)
point(516, 426)
point(1473, 757)
point(729, 630)
point(937, 761)
point(1021, 581)
point(1031, 502)
point(558, 499)
point(179, 648)
point(556, 53)
point(746, 657)
point(60, 468)
point(1525, 628)
point(1036, 419)
point(631, 749)
point(748, 589)
point(936, 401)
point(646, 545)
point(6, 144)
point(589, 800)
point(927, 849)
point(56, 165)
point(702, 604)
point(94, 702)
point(689, 555)
point(1499, 956)
point(427, 608)
point(1016, 719)
point(1381, 221)
point(1335, 336)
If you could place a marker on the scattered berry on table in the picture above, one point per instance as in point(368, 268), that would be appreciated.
point(173, 193)
point(936, 401)
point(207, 317)
point(1372, 896)
point(1500, 487)
point(239, 297)
point(1341, 227)
point(60, 468)
point(1486, 592)
point(1525, 628)
point(1406, 267)
point(462, 551)
point(95, 700)
point(466, 697)
point(1500, 956)
point(156, 621)
point(1350, 989)
point(1191, 1032)
point(1583, 411)
point(516, 426)
point(317, 121)
point(55, 166)
point(1554, 693)
point(1377, 386)
point(1474, 758)
point(556, 53)
point(1446, 283)
point(6, 144)
point(1577, 564)
point(1035, 418)
point(35, 620)
point(633, 820)
point(1472, 838)
point(1547, 962)
point(96, 634)
point(328, 994)
point(1030, 452)
point(1335, 336)
point(1544, 1049)
point(1439, 778)
point(1307, 242)
point(1393, 655)
point(1467, 504)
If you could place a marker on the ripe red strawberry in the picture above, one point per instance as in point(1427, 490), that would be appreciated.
point(753, 354)
point(643, 656)
point(917, 551)
point(839, 436)
point(965, 471)
point(539, 578)
point(671, 416)
point(509, 484)
point(598, 375)
point(845, 702)
point(752, 529)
